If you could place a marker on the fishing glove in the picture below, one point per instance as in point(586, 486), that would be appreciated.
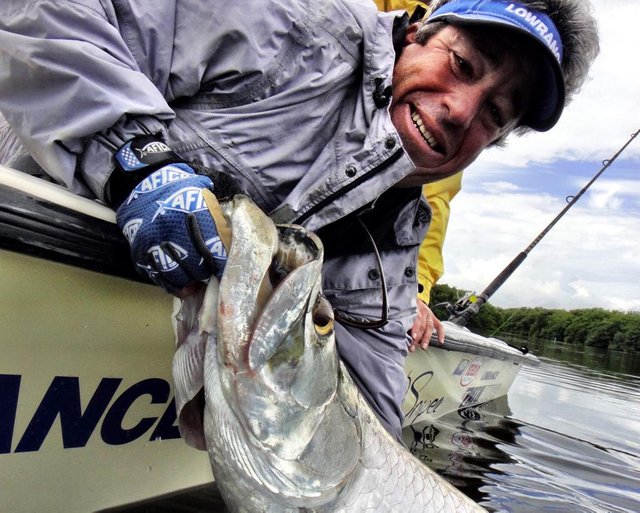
point(162, 209)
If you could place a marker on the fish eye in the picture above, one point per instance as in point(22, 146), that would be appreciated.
point(322, 317)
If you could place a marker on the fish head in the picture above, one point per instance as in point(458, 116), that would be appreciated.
point(276, 342)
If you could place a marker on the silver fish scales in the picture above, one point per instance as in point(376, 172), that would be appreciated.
point(285, 427)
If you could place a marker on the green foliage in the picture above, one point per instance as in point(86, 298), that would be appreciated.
point(444, 294)
point(486, 321)
point(589, 327)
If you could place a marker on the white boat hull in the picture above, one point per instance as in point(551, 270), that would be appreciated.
point(86, 401)
point(468, 370)
point(87, 420)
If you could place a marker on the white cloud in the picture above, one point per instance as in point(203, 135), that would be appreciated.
point(616, 194)
point(580, 290)
point(590, 258)
point(501, 186)
point(607, 199)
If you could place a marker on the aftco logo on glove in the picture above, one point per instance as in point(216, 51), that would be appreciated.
point(163, 261)
point(155, 180)
point(152, 147)
point(185, 200)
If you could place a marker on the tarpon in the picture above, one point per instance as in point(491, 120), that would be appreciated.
point(285, 427)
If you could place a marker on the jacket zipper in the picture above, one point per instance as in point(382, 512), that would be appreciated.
point(349, 187)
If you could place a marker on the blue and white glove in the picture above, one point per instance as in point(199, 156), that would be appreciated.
point(173, 237)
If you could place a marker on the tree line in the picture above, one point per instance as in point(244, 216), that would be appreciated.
point(594, 327)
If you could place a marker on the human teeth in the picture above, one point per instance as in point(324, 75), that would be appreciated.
point(430, 139)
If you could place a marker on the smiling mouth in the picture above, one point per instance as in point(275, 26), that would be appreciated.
point(426, 135)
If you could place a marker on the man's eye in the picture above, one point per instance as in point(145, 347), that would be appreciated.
point(462, 65)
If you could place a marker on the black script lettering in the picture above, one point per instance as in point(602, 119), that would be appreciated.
point(433, 405)
point(416, 386)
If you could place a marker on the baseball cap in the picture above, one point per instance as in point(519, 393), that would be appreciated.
point(549, 96)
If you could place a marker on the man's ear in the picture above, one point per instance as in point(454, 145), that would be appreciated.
point(410, 36)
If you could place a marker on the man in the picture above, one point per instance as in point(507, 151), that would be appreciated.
point(308, 107)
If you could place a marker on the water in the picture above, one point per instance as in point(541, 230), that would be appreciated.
point(566, 439)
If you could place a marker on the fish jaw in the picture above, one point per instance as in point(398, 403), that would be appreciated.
point(279, 364)
point(245, 283)
point(292, 379)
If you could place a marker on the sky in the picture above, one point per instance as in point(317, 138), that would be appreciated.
point(591, 257)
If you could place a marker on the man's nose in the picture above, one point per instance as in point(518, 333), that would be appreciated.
point(462, 105)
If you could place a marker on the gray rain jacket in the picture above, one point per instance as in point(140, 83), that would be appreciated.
point(287, 97)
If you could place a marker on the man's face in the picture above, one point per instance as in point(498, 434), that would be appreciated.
point(450, 102)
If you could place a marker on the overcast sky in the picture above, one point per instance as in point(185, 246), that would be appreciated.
point(591, 258)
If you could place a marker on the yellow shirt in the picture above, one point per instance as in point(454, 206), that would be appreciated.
point(395, 5)
point(430, 262)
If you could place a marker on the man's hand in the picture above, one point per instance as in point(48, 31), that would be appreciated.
point(174, 239)
point(425, 325)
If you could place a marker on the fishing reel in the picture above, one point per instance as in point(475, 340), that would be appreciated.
point(461, 304)
point(465, 308)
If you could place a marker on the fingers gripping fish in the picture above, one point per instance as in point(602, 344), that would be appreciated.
point(285, 427)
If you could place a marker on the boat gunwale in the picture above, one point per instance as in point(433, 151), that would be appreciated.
point(44, 220)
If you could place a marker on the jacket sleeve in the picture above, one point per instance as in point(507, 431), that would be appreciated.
point(430, 262)
point(73, 91)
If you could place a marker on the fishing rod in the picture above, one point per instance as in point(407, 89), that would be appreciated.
point(470, 304)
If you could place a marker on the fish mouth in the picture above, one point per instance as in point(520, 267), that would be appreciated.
point(428, 137)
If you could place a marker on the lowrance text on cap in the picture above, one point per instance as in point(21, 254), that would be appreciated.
point(540, 25)
point(531, 22)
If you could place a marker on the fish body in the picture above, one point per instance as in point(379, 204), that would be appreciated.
point(285, 427)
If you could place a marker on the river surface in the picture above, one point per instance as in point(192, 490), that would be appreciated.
point(566, 439)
